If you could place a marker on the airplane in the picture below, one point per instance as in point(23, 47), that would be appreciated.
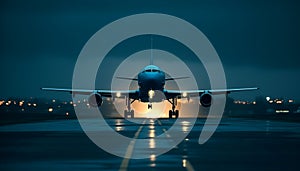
point(150, 81)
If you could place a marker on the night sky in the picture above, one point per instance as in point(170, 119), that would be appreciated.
point(257, 40)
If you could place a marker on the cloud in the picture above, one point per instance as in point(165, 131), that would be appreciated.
point(260, 35)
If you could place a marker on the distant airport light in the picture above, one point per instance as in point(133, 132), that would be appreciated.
point(279, 101)
point(74, 105)
point(21, 103)
point(271, 101)
point(71, 102)
point(50, 109)
point(67, 113)
point(34, 104)
point(244, 102)
point(184, 163)
point(23, 110)
point(29, 104)
point(2, 102)
point(291, 101)
point(268, 98)
point(8, 103)
point(282, 111)
point(53, 101)
point(118, 94)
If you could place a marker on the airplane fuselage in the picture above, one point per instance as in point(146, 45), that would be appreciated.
point(151, 79)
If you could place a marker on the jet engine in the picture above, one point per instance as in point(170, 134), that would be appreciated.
point(205, 99)
point(95, 100)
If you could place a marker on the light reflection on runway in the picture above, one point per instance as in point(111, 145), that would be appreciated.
point(53, 145)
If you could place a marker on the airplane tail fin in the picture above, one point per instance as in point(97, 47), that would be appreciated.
point(151, 55)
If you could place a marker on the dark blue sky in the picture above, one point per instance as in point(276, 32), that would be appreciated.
point(257, 40)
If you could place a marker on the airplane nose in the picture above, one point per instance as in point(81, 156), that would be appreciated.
point(152, 82)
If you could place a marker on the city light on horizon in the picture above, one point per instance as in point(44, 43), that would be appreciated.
point(50, 109)
point(159, 110)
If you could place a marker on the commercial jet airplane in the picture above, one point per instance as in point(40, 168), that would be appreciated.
point(151, 80)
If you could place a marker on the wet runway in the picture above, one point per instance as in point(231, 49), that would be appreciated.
point(238, 144)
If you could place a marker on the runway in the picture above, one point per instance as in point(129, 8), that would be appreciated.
point(237, 144)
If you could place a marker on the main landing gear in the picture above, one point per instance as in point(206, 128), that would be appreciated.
point(173, 112)
point(149, 106)
point(129, 113)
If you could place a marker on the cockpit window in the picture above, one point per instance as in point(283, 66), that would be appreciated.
point(151, 70)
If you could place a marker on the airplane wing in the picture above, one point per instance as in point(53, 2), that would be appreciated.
point(176, 78)
point(126, 78)
point(196, 93)
point(133, 94)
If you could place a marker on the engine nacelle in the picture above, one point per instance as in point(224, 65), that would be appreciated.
point(205, 99)
point(95, 100)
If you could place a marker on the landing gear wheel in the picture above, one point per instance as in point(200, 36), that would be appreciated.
point(173, 113)
point(176, 113)
point(129, 114)
point(170, 114)
point(125, 114)
point(150, 106)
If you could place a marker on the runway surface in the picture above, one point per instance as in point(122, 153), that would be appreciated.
point(238, 144)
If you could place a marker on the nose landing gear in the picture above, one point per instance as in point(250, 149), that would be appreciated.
point(149, 106)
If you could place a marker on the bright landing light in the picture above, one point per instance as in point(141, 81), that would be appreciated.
point(151, 94)
point(118, 94)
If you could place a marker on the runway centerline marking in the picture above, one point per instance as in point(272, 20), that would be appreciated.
point(125, 162)
point(129, 151)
